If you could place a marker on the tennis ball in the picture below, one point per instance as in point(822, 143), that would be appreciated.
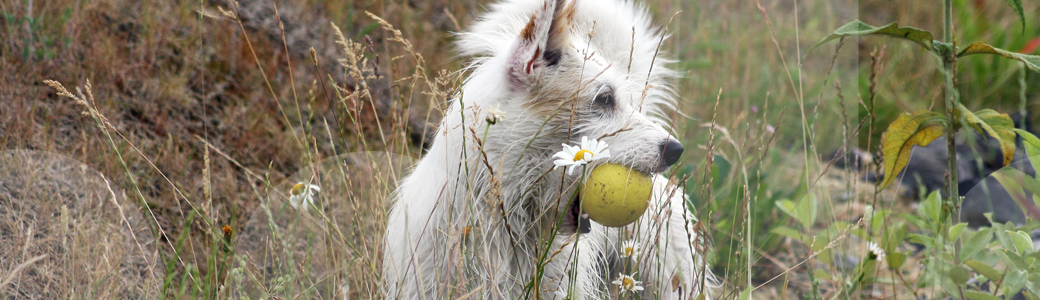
point(615, 195)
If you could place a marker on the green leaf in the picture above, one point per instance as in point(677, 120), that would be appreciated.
point(916, 219)
point(820, 245)
point(790, 232)
point(959, 275)
point(1022, 241)
point(787, 206)
point(975, 244)
point(948, 285)
point(997, 125)
point(895, 260)
point(925, 240)
point(1016, 5)
point(822, 275)
point(906, 131)
point(1011, 259)
point(804, 211)
point(930, 208)
point(973, 295)
point(955, 230)
point(1014, 281)
point(892, 236)
point(1032, 61)
point(1033, 284)
point(857, 28)
point(984, 269)
point(1003, 237)
point(1032, 145)
point(876, 218)
point(807, 210)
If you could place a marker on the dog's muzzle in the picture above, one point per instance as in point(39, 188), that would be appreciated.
point(671, 151)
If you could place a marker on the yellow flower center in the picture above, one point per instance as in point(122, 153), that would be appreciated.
point(581, 155)
point(628, 283)
point(298, 189)
point(629, 251)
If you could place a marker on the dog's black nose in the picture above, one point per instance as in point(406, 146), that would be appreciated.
point(670, 153)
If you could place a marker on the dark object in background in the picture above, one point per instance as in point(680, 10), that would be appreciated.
point(983, 151)
point(986, 196)
point(926, 170)
point(978, 156)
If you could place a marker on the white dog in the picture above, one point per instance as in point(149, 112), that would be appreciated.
point(485, 215)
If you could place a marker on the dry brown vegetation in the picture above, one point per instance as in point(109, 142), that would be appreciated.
point(171, 80)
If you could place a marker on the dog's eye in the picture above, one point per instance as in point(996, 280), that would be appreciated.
point(605, 99)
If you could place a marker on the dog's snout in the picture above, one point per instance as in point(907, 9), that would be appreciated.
point(671, 150)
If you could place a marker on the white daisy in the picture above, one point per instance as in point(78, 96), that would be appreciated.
point(494, 115)
point(630, 249)
point(880, 253)
point(628, 284)
point(302, 195)
point(573, 157)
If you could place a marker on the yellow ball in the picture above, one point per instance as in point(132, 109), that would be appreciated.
point(615, 195)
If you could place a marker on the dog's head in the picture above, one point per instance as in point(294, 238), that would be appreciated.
point(576, 68)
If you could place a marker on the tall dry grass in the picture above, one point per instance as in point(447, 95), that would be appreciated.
point(67, 234)
point(210, 118)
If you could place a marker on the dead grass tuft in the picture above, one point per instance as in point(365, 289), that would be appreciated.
point(64, 234)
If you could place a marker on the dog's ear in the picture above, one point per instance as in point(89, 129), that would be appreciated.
point(540, 44)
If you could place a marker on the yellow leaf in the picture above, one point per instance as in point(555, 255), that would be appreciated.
point(996, 125)
point(901, 136)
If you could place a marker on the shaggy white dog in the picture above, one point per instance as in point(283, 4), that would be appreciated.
point(485, 215)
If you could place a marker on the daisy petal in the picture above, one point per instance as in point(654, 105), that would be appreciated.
point(599, 146)
point(561, 155)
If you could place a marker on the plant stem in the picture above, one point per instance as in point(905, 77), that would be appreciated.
point(1022, 98)
point(950, 68)
point(29, 23)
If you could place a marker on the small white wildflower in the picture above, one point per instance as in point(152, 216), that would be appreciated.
point(628, 284)
point(880, 253)
point(494, 115)
point(573, 157)
point(302, 195)
point(630, 248)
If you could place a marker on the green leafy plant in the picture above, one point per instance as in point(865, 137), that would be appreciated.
point(954, 252)
point(35, 42)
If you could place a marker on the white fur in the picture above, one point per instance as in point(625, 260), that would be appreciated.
point(476, 214)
